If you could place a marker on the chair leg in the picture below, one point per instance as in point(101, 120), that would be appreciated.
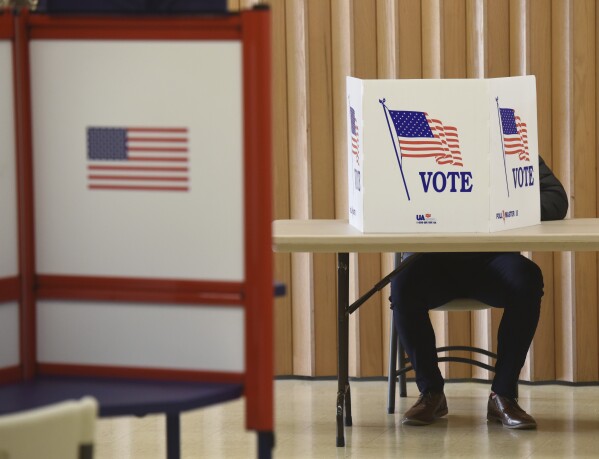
point(173, 436)
point(392, 376)
point(401, 356)
point(266, 443)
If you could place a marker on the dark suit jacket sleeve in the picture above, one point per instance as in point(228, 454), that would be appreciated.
point(554, 200)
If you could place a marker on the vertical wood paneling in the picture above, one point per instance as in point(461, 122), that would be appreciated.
point(322, 41)
point(432, 66)
point(387, 68)
point(562, 94)
point(236, 5)
point(432, 54)
point(367, 321)
point(409, 39)
point(519, 43)
point(341, 68)
point(282, 262)
point(409, 46)
point(233, 5)
point(584, 187)
point(454, 38)
point(498, 48)
point(299, 178)
point(476, 62)
point(341, 62)
point(498, 65)
point(476, 55)
point(519, 63)
point(542, 362)
point(385, 39)
point(322, 180)
point(456, 326)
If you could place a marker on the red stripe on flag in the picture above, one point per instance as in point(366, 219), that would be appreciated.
point(137, 177)
point(157, 139)
point(158, 158)
point(138, 188)
point(159, 149)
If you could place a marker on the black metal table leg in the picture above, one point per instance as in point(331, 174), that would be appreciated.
point(401, 356)
point(173, 436)
point(343, 400)
point(344, 309)
point(266, 442)
point(348, 418)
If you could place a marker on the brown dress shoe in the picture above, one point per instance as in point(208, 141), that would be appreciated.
point(430, 405)
point(507, 411)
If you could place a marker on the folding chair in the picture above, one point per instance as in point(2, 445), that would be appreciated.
point(59, 431)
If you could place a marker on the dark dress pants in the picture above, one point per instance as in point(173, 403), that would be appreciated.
point(503, 280)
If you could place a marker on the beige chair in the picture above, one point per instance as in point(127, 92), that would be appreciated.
point(398, 366)
point(63, 430)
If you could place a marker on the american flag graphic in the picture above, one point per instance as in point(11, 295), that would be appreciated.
point(355, 137)
point(515, 134)
point(138, 158)
point(423, 137)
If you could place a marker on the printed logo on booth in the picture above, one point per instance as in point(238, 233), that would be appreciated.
point(425, 219)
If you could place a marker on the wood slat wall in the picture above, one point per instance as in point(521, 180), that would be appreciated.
point(316, 44)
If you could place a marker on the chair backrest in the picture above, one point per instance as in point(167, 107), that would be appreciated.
point(60, 431)
point(463, 304)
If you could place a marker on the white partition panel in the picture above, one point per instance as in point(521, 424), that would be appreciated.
point(141, 335)
point(9, 334)
point(8, 191)
point(139, 170)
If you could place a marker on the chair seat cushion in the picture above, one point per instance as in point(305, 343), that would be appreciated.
point(463, 304)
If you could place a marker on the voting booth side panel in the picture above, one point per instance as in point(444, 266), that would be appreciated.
point(9, 263)
point(355, 152)
point(514, 152)
point(143, 339)
point(132, 166)
point(152, 215)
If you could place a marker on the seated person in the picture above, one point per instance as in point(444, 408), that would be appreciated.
point(503, 280)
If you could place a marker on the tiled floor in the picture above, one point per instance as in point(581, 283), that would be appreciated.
point(568, 419)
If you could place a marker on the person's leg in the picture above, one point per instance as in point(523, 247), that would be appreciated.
point(426, 283)
point(423, 285)
point(515, 283)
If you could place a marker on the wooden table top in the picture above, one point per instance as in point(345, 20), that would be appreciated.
point(334, 236)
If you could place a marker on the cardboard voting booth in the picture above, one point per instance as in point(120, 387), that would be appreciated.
point(442, 155)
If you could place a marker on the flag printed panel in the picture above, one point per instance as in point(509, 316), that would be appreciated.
point(144, 165)
point(515, 134)
point(423, 137)
point(355, 136)
point(138, 158)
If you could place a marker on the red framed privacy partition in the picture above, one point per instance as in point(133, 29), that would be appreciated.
point(9, 272)
point(127, 266)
